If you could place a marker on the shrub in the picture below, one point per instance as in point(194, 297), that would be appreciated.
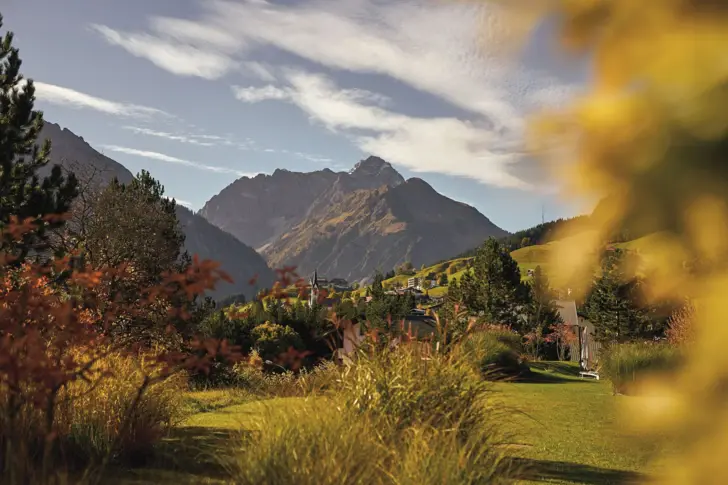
point(495, 353)
point(91, 419)
point(272, 339)
point(92, 416)
point(405, 386)
point(625, 364)
point(681, 329)
point(397, 419)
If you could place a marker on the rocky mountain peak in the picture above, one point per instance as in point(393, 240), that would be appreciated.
point(374, 168)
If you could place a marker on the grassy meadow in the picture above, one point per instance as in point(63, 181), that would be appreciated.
point(563, 430)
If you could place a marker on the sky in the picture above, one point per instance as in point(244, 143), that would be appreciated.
point(202, 92)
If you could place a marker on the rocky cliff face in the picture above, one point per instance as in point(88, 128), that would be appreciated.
point(201, 237)
point(347, 224)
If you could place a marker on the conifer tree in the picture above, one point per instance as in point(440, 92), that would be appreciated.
point(495, 287)
point(613, 304)
point(23, 193)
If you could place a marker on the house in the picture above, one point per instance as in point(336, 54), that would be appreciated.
point(585, 349)
point(414, 282)
point(416, 325)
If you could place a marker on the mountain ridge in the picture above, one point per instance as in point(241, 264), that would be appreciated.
point(347, 224)
point(240, 261)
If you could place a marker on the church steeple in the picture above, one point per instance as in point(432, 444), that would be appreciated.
point(313, 297)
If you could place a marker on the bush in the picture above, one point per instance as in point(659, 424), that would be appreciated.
point(396, 419)
point(272, 339)
point(405, 386)
point(625, 364)
point(495, 353)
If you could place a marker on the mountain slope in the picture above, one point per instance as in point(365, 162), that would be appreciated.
point(347, 225)
point(202, 238)
point(259, 210)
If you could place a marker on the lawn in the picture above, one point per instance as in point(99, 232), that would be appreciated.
point(569, 428)
point(565, 429)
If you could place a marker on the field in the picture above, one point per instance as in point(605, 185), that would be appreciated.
point(564, 428)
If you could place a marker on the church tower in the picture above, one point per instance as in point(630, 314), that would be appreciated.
point(313, 281)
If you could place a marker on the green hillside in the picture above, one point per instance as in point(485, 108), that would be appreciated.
point(527, 258)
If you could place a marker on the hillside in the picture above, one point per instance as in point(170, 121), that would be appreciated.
point(201, 238)
point(527, 258)
point(347, 225)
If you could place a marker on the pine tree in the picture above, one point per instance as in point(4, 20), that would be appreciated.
point(613, 303)
point(495, 288)
point(22, 193)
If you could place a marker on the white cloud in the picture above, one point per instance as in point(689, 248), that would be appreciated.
point(184, 59)
point(183, 203)
point(51, 93)
point(256, 94)
point(444, 145)
point(191, 139)
point(261, 71)
point(170, 159)
point(434, 47)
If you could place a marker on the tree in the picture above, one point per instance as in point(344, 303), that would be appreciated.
point(22, 193)
point(542, 310)
point(495, 288)
point(613, 304)
point(135, 225)
point(377, 290)
point(443, 280)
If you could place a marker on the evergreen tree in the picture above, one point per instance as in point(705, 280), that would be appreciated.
point(542, 309)
point(495, 288)
point(377, 290)
point(613, 304)
point(22, 193)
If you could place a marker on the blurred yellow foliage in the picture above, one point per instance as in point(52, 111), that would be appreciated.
point(652, 132)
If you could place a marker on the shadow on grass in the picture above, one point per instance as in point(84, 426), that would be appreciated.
point(553, 373)
point(546, 471)
point(187, 455)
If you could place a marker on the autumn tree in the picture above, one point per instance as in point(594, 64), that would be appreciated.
point(23, 192)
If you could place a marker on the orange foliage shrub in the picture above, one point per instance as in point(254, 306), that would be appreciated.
point(55, 322)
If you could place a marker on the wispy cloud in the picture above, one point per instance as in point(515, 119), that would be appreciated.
point(201, 140)
point(393, 39)
point(444, 145)
point(184, 59)
point(260, 71)
point(178, 161)
point(256, 94)
point(181, 202)
point(51, 93)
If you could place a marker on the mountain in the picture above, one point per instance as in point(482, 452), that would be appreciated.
point(259, 210)
point(347, 225)
point(241, 262)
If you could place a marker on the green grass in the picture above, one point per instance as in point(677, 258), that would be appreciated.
point(566, 430)
point(569, 428)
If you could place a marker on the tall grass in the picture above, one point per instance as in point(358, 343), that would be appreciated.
point(626, 364)
point(396, 416)
point(94, 421)
point(495, 353)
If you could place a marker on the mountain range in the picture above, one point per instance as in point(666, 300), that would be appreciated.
point(347, 224)
point(342, 224)
point(206, 240)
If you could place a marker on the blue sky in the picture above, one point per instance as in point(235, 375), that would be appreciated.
point(201, 92)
